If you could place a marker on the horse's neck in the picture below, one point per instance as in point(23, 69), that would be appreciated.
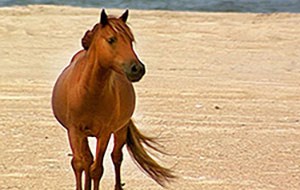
point(95, 78)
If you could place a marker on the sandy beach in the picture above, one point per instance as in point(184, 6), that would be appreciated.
point(222, 91)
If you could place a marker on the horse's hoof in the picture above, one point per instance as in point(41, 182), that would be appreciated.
point(117, 187)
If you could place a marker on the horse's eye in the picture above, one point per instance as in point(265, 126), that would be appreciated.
point(111, 40)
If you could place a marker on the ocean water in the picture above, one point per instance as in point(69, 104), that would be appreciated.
point(258, 6)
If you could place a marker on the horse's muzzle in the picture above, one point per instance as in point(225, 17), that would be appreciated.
point(135, 71)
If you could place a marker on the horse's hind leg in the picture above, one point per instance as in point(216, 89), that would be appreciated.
point(82, 157)
point(117, 155)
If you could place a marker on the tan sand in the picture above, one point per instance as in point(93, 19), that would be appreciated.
point(222, 90)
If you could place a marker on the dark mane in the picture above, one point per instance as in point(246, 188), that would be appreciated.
point(88, 36)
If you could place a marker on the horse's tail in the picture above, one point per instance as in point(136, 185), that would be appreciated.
point(135, 141)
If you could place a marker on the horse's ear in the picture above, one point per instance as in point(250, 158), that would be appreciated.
point(103, 19)
point(124, 16)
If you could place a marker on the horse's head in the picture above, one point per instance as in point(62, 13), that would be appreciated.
point(111, 41)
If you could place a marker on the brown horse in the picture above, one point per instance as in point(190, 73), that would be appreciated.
point(94, 97)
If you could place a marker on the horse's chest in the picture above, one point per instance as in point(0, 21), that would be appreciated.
point(95, 116)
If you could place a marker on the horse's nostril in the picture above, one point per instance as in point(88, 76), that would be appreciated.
point(135, 72)
point(134, 68)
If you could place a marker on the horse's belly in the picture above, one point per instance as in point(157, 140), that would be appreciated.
point(59, 100)
point(61, 97)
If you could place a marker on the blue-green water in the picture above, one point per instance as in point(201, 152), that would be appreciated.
point(259, 6)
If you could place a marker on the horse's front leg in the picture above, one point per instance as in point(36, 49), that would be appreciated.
point(117, 155)
point(88, 160)
point(82, 157)
point(96, 169)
